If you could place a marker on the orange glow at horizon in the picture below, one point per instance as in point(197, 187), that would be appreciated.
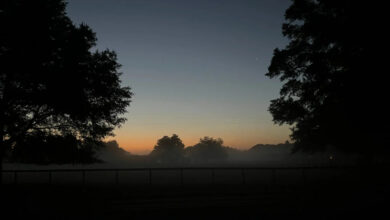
point(142, 143)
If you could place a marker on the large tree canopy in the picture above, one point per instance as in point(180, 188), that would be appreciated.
point(52, 81)
point(335, 91)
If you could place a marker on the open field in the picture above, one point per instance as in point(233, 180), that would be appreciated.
point(332, 195)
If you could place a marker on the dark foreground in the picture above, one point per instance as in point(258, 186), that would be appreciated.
point(357, 198)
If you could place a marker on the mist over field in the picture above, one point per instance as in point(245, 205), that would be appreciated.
point(261, 164)
point(264, 155)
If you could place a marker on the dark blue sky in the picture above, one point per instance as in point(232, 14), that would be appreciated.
point(196, 67)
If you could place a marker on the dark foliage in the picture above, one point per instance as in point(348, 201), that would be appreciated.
point(207, 150)
point(335, 87)
point(168, 150)
point(111, 152)
point(113, 146)
point(54, 149)
point(51, 82)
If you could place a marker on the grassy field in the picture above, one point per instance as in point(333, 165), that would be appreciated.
point(364, 194)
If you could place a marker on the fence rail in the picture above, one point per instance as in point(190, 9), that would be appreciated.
point(180, 170)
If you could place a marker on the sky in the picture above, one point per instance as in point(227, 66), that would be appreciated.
point(197, 68)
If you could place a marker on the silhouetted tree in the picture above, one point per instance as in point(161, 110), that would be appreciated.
point(53, 149)
point(111, 152)
point(334, 89)
point(168, 150)
point(51, 82)
point(112, 145)
point(207, 150)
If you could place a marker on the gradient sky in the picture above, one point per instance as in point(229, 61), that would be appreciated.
point(197, 68)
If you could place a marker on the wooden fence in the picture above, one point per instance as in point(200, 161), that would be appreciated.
point(182, 171)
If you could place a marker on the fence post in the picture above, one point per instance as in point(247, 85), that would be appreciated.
point(50, 178)
point(243, 176)
point(273, 176)
point(15, 177)
point(83, 174)
point(212, 176)
point(181, 176)
point(150, 176)
point(116, 177)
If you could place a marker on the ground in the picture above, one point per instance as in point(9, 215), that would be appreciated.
point(190, 202)
point(362, 195)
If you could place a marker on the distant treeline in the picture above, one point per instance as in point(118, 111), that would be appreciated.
point(168, 151)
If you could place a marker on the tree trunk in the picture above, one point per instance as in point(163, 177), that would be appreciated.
point(1, 160)
point(2, 147)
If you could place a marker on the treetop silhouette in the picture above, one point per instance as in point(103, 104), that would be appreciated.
point(168, 149)
point(207, 150)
